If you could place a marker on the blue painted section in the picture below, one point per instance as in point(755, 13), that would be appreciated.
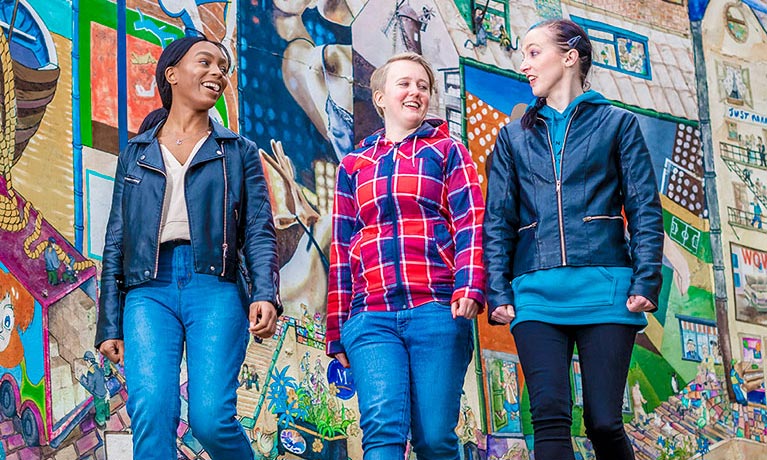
point(28, 44)
point(32, 341)
point(756, 5)
point(55, 15)
point(77, 143)
point(122, 75)
point(696, 9)
point(502, 92)
point(154, 27)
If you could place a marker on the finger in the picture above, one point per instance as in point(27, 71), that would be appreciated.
point(461, 311)
point(341, 357)
point(510, 312)
point(454, 309)
point(471, 312)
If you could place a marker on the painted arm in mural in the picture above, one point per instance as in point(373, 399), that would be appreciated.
point(467, 210)
point(109, 332)
point(500, 231)
point(318, 77)
point(644, 216)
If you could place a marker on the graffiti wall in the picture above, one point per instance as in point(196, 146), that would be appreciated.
point(78, 78)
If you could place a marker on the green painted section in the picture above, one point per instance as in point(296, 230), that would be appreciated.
point(695, 241)
point(32, 392)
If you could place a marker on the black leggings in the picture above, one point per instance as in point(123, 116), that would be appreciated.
point(604, 350)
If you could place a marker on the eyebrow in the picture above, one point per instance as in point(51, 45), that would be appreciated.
point(210, 55)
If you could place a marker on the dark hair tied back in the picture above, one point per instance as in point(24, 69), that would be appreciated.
point(569, 36)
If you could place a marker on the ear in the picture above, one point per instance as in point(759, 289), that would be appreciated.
point(170, 75)
point(571, 58)
point(378, 99)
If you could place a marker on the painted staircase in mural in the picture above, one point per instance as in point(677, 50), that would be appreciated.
point(260, 358)
point(742, 161)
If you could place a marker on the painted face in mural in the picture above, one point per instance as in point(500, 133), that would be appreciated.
point(7, 321)
point(543, 62)
point(405, 96)
point(199, 79)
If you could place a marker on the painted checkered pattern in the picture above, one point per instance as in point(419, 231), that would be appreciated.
point(407, 227)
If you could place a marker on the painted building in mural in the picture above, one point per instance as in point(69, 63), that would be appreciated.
point(78, 78)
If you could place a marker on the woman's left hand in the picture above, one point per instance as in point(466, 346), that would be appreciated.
point(638, 303)
point(465, 307)
point(263, 319)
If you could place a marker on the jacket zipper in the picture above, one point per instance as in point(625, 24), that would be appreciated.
point(559, 183)
point(225, 246)
point(395, 231)
point(590, 218)
point(162, 216)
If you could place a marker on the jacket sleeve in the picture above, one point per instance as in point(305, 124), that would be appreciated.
point(339, 275)
point(467, 211)
point(644, 213)
point(109, 324)
point(260, 241)
point(501, 224)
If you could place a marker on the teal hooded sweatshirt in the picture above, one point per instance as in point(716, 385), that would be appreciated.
point(573, 295)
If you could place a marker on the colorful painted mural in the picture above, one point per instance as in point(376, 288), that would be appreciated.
point(77, 79)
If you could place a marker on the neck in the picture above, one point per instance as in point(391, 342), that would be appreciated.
point(396, 133)
point(182, 120)
point(561, 96)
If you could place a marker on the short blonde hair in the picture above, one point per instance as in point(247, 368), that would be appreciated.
point(378, 78)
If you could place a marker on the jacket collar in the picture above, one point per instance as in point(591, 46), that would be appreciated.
point(151, 156)
point(219, 133)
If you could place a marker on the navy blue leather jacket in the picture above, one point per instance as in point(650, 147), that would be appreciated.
point(229, 214)
point(534, 221)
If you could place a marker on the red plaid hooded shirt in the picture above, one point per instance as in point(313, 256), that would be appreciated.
point(407, 227)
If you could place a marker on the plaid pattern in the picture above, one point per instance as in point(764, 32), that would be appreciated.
point(407, 227)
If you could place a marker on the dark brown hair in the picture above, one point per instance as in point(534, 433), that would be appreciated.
point(568, 36)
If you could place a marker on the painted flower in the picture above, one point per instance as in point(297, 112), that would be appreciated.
point(317, 445)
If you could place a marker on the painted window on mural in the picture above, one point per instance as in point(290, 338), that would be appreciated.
point(503, 388)
point(734, 83)
point(751, 349)
point(699, 339)
point(577, 382)
point(496, 17)
point(618, 49)
point(736, 23)
point(454, 123)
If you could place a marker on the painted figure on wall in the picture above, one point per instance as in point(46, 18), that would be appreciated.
point(93, 378)
point(17, 308)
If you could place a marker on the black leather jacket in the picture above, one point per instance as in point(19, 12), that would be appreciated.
point(534, 221)
point(230, 221)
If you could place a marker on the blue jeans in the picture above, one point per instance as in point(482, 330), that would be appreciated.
point(205, 313)
point(408, 367)
point(604, 350)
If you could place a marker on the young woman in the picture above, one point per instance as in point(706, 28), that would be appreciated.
point(560, 268)
point(190, 201)
point(406, 272)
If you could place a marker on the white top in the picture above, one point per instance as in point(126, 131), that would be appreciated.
point(175, 220)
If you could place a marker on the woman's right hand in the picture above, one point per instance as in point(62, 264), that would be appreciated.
point(113, 349)
point(504, 314)
point(341, 357)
